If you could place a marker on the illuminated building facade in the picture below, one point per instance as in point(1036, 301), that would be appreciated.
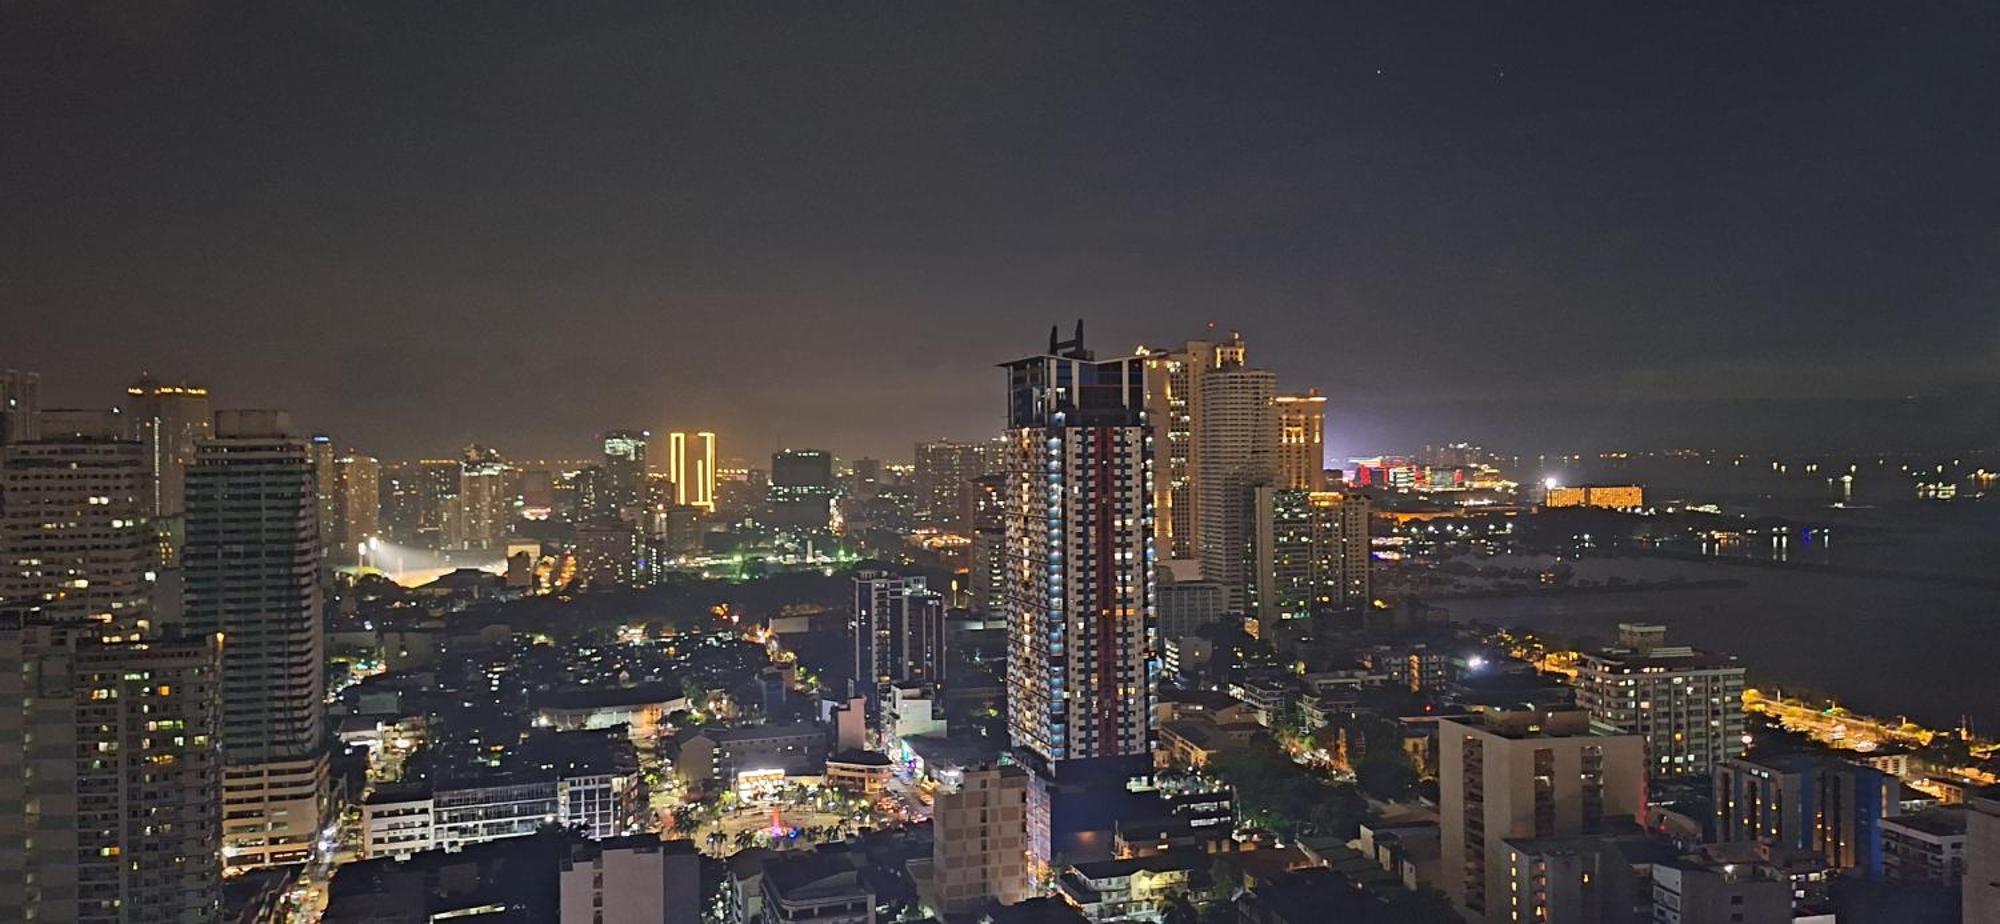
point(167, 420)
point(625, 470)
point(251, 573)
point(1688, 704)
point(436, 492)
point(898, 628)
point(1815, 804)
point(1301, 441)
point(74, 546)
point(1604, 496)
point(1236, 432)
point(1310, 554)
point(945, 471)
point(986, 578)
point(1173, 405)
point(357, 486)
point(691, 469)
point(483, 512)
point(609, 553)
point(110, 786)
point(1079, 540)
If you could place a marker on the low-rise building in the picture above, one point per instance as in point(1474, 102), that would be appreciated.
point(865, 772)
point(720, 754)
point(1135, 889)
point(1928, 846)
point(816, 888)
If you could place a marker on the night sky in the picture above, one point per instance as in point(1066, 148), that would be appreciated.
point(1536, 225)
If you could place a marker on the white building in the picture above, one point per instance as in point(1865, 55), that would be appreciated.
point(1687, 704)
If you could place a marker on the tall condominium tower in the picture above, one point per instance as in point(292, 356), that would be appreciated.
point(482, 513)
point(1236, 432)
point(251, 577)
point(1173, 404)
point(898, 636)
point(73, 542)
point(1301, 441)
point(327, 492)
point(1079, 544)
point(357, 482)
point(1507, 779)
point(110, 777)
point(1311, 553)
point(801, 495)
point(168, 419)
point(691, 469)
point(625, 469)
point(1688, 704)
point(945, 470)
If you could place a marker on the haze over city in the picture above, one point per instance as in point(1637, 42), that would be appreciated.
point(999, 463)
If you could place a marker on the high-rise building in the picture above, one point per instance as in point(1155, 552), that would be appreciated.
point(979, 851)
point(898, 628)
point(484, 511)
point(691, 469)
point(110, 777)
point(1301, 441)
point(801, 496)
point(1525, 775)
point(167, 420)
point(1688, 704)
point(1309, 553)
point(250, 571)
point(436, 491)
point(608, 554)
point(1236, 432)
point(1813, 804)
point(1981, 899)
point(357, 502)
point(1079, 539)
point(945, 470)
point(987, 577)
point(323, 452)
point(1173, 403)
point(20, 406)
point(625, 469)
point(73, 540)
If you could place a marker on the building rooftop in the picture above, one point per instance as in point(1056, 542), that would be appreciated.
point(859, 757)
point(1943, 821)
point(760, 732)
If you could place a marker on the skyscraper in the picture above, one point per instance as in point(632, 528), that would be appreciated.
point(483, 513)
point(801, 496)
point(1301, 441)
point(691, 469)
point(945, 470)
point(1310, 553)
point(103, 815)
point(898, 631)
point(110, 777)
point(625, 469)
point(251, 570)
point(1079, 540)
point(1236, 432)
point(436, 495)
point(1173, 402)
point(1509, 777)
point(327, 495)
point(168, 420)
point(358, 501)
point(74, 546)
point(1688, 704)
